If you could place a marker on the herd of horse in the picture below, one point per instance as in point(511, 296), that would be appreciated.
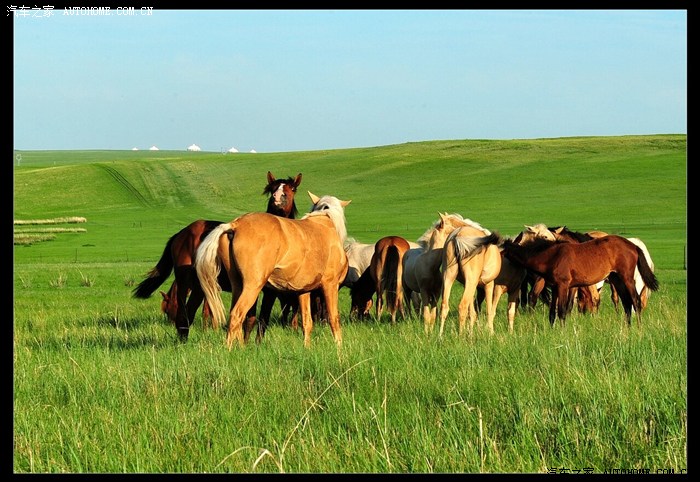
point(305, 262)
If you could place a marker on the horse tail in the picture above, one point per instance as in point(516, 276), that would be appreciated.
point(158, 274)
point(208, 268)
point(390, 276)
point(645, 270)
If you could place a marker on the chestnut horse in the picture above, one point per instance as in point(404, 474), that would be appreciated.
point(642, 289)
point(259, 249)
point(185, 295)
point(587, 297)
point(567, 265)
point(471, 256)
point(386, 270)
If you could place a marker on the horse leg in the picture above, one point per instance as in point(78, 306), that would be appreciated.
point(183, 279)
point(330, 296)
point(466, 305)
point(553, 307)
point(571, 296)
point(194, 302)
point(535, 291)
point(380, 296)
point(399, 290)
point(428, 319)
point(241, 306)
point(249, 322)
point(489, 288)
point(613, 294)
point(449, 275)
point(512, 308)
point(644, 296)
point(307, 322)
point(268, 301)
point(564, 301)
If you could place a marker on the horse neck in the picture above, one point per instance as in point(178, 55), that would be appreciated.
point(283, 213)
point(535, 260)
point(332, 217)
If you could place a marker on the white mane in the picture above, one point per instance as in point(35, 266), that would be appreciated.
point(467, 222)
point(331, 206)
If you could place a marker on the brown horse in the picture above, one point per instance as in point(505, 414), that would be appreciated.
point(587, 297)
point(471, 256)
point(642, 289)
point(185, 295)
point(570, 265)
point(386, 271)
point(259, 249)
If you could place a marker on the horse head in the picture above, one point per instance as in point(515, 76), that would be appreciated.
point(282, 193)
point(333, 208)
point(537, 231)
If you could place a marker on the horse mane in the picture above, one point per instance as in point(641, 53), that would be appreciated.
point(532, 246)
point(462, 221)
point(335, 211)
point(578, 236)
point(424, 238)
point(348, 243)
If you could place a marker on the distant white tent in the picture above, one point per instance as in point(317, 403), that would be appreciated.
point(253, 151)
point(135, 149)
point(194, 147)
point(153, 148)
point(233, 149)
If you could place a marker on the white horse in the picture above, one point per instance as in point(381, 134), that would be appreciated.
point(359, 257)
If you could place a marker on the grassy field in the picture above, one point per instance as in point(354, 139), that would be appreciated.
point(101, 383)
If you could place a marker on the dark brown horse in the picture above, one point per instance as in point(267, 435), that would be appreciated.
point(567, 265)
point(179, 255)
point(361, 294)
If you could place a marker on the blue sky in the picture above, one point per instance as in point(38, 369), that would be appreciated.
point(290, 80)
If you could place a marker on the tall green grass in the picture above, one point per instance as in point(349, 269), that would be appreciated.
point(101, 383)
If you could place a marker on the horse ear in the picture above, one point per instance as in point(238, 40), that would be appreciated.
point(314, 198)
point(164, 295)
point(529, 228)
point(559, 229)
point(297, 180)
point(270, 177)
point(345, 203)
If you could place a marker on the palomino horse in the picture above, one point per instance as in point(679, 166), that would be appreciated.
point(569, 265)
point(421, 270)
point(386, 271)
point(259, 249)
point(471, 256)
point(185, 295)
point(509, 281)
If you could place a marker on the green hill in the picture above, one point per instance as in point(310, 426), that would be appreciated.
point(134, 200)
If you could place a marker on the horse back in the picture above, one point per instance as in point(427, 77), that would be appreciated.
point(186, 241)
point(296, 254)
